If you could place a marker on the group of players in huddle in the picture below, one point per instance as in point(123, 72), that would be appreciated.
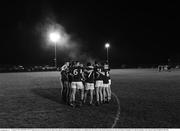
point(86, 80)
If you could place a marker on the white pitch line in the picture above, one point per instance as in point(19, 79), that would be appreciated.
point(118, 111)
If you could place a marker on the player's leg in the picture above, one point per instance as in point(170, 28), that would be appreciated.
point(97, 95)
point(63, 91)
point(82, 92)
point(110, 93)
point(81, 87)
point(85, 96)
point(101, 94)
point(73, 94)
point(91, 91)
point(85, 92)
point(109, 90)
point(82, 95)
point(67, 91)
point(97, 92)
point(101, 91)
point(91, 96)
point(107, 93)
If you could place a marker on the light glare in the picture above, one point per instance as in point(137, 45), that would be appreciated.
point(54, 36)
point(107, 45)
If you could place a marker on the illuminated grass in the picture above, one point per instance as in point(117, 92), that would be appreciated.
point(33, 100)
point(147, 98)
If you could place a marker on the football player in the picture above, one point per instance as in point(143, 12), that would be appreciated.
point(106, 83)
point(98, 83)
point(89, 82)
point(64, 80)
point(76, 73)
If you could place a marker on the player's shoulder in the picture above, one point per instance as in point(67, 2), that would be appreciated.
point(86, 68)
point(80, 67)
point(90, 67)
point(101, 67)
point(98, 66)
point(71, 68)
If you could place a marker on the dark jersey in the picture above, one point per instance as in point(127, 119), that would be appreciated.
point(107, 70)
point(89, 74)
point(106, 76)
point(69, 74)
point(98, 72)
point(76, 73)
point(64, 75)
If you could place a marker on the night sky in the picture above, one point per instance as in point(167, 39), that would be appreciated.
point(139, 33)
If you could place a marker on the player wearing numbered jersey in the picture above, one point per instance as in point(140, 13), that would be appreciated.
point(89, 82)
point(76, 73)
point(98, 83)
point(106, 83)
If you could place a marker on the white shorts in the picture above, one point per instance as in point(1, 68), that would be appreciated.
point(109, 81)
point(105, 85)
point(89, 86)
point(99, 83)
point(77, 85)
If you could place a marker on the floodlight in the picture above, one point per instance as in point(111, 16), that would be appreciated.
point(107, 45)
point(54, 36)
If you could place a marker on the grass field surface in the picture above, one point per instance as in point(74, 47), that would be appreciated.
point(147, 99)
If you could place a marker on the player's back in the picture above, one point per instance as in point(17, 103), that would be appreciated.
point(89, 74)
point(64, 75)
point(76, 72)
point(106, 76)
point(98, 72)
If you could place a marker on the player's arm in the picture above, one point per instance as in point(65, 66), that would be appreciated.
point(60, 77)
point(64, 67)
point(82, 74)
point(61, 73)
point(100, 72)
point(93, 74)
point(70, 71)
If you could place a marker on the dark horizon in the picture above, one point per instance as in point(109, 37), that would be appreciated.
point(139, 33)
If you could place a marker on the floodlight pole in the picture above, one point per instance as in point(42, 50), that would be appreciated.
point(107, 57)
point(55, 57)
point(54, 37)
point(107, 45)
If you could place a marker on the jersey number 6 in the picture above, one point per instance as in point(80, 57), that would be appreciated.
point(75, 72)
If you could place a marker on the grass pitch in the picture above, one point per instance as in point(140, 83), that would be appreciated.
point(147, 99)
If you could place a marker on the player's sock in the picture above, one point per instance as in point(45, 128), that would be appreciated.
point(90, 103)
point(72, 104)
point(107, 101)
point(101, 102)
point(97, 103)
point(84, 101)
point(81, 103)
